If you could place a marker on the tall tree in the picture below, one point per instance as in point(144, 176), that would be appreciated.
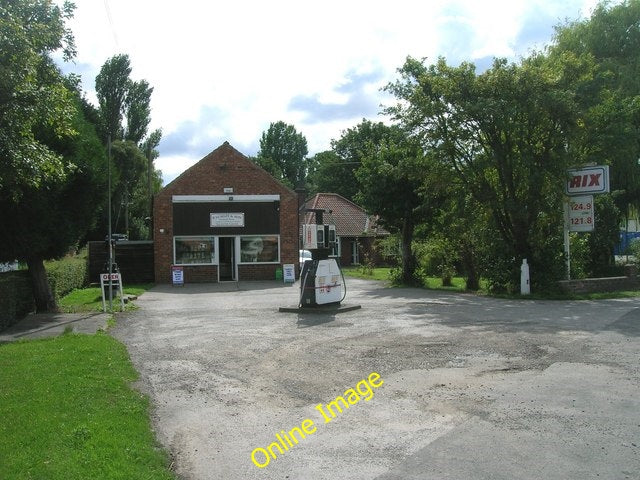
point(391, 176)
point(125, 115)
point(611, 103)
point(33, 94)
point(112, 88)
point(46, 154)
point(335, 170)
point(326, 174)
point(131, 165)
point(350, 148)
point(283, 153)
point(138, 110)
point(505, 134)
point(53, 216)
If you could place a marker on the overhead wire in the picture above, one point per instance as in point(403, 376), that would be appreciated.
point(111, 25)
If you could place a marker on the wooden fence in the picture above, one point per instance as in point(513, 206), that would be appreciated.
point(134, 259)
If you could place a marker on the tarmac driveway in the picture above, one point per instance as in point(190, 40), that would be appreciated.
point(473, 387)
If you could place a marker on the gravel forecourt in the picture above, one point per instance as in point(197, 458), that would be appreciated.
point(473, 387)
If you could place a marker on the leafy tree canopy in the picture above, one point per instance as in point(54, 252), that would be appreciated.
point(283, 153)
point(33, 94)
point(504, 133)
point(610, 39)
point(125, 105)
point(391, 176)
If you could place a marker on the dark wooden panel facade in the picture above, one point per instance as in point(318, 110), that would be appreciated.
point(194, 218)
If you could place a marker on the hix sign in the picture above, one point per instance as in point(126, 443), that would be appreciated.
point(588, 180)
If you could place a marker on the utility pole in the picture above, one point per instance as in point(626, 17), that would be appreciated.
point(149, 171)
point(126, 211)
point(109, 228)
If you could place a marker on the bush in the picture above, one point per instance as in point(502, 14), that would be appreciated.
point(16, 292)
point(66, 275)
point(604, 238)
point(437, 256)
point(16, 297)
point(367, 265)
point(395, 276)
point(389, 249)
point(634, 250)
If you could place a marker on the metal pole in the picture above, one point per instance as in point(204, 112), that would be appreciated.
point(567, 240)
point(126, 211)
point(109, 227)
point(149, 171)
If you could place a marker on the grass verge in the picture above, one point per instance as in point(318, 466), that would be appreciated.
point(378, 273)
point(383, 274)
point(69, 412)
point(90, 299)
point(435, 283)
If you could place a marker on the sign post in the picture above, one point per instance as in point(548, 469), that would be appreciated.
point(579, 210)
point(111, 279)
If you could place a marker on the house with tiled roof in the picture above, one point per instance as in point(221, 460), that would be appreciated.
point(356, 229)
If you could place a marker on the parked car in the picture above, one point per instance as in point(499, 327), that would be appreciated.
point(304, 256)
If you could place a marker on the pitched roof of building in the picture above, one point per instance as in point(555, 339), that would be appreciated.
point(350, 219)
point(216, 169)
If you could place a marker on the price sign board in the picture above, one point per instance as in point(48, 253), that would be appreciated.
point(581, 214)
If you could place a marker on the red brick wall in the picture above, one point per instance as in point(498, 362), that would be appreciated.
point(258, 272)
point(224, 167)
point(200, 274)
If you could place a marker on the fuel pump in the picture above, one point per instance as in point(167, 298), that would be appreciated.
point(322, 281)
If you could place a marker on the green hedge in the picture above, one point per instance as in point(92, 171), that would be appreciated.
point(16, 293)
point(16, 297)
point(66, 275)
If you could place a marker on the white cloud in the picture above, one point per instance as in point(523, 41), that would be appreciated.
point(226, 70)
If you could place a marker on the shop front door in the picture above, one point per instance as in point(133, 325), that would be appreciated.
point(227, 259)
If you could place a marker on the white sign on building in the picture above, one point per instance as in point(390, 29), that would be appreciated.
point(227, 219)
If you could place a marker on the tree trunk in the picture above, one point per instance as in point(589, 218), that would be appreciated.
point(408, 259)
point(468, 260)
point(44, 298)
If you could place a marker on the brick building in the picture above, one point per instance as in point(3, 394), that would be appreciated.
point(224, 219)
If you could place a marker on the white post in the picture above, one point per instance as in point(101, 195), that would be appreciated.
point(567, 240)
point(525, 287)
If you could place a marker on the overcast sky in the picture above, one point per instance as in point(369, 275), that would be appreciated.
point(226, 70)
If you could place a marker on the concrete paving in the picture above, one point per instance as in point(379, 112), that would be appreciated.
point(44, 325)
point(473, 387)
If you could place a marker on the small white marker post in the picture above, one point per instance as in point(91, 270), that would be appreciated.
point(525, 287)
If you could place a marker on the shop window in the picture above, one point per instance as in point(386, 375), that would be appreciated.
point(194, 250)
point(260, 249)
